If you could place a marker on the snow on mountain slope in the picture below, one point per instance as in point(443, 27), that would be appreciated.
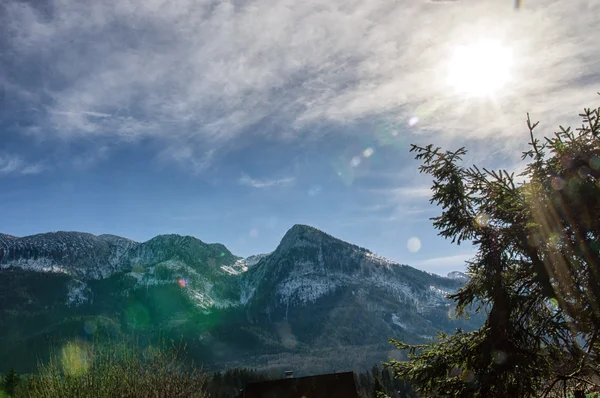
point(5, 240)
point(457, 275)
point(251, 261)
point(78, 254)
point(309, 264)
point(242, 265)
point(204, 291)
point(313, 289)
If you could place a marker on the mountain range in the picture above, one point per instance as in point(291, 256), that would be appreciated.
point(316, 303)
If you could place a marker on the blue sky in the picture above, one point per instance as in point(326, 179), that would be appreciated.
point(231, 121)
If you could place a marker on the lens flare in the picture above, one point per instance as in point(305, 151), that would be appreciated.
point(368, 152)
point(468, 376)
point(499, 357)
point(355, 161)
point(482, 220)
point(554, 240)
point(451, 312)
point(414, 244)
point(182, 282)
point(413, 121)
point(343, 169)
point(75, 359)
point(90, 326)
point(584, 172)
point(557, 183)
point(566, 161)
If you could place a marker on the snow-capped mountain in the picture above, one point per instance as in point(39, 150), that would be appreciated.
point(314, 275)
point(459, 276)
point(5, 240)
point(251, 261)
point(81, 255)
point(312, 292)
point(309, 264)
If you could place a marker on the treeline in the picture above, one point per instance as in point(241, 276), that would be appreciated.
point(229, 384)
point(119, 369)
point(369, 383)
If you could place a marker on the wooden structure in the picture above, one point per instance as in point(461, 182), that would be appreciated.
point(334, 385)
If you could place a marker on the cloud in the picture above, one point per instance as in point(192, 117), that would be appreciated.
point(190, 157)
point(89, 157)
point(408, 202)
point(195, 72)
point(32, 169)
point(256, 183)
point(13, 164)
point(9, 164)
point(411, 193)
point(454, 262)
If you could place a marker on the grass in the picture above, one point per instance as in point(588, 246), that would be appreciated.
point(85, 370)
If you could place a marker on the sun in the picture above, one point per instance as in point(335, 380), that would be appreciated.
point(480, 69)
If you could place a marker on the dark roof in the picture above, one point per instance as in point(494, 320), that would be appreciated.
point(334, 385)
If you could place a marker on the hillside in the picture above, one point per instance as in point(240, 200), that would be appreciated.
point(316, 302)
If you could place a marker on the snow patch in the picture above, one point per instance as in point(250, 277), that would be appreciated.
point(42, 264)
point(76, 294)
point(440, 293)
point(396, 321)
point(251, 261)
point(231, 271)
point(304, 290)
point(382, 261)
point(246, 295)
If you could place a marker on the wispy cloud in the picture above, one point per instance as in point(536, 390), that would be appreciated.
point(410, 193)
point(409, 202)
point(13, 164)
point(190, 157)
point(32, 169)
point(261, 183)
point(209, 71)
point(90, 157)
point(454, 261)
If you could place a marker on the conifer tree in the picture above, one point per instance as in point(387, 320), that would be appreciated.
point(536, 274)
point(11, 382)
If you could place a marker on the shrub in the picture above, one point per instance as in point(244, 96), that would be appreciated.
point(115, 370)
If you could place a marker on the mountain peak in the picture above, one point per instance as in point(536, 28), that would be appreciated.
point(176, 239)
point(304, 229)
point(304, 235)
point(300, 232)
point(457, 275)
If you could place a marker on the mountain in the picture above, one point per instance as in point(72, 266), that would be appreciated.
point(459, 276)
point(316, 303)
point(79, 254)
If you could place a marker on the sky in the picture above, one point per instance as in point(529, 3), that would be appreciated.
point(233, 120)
